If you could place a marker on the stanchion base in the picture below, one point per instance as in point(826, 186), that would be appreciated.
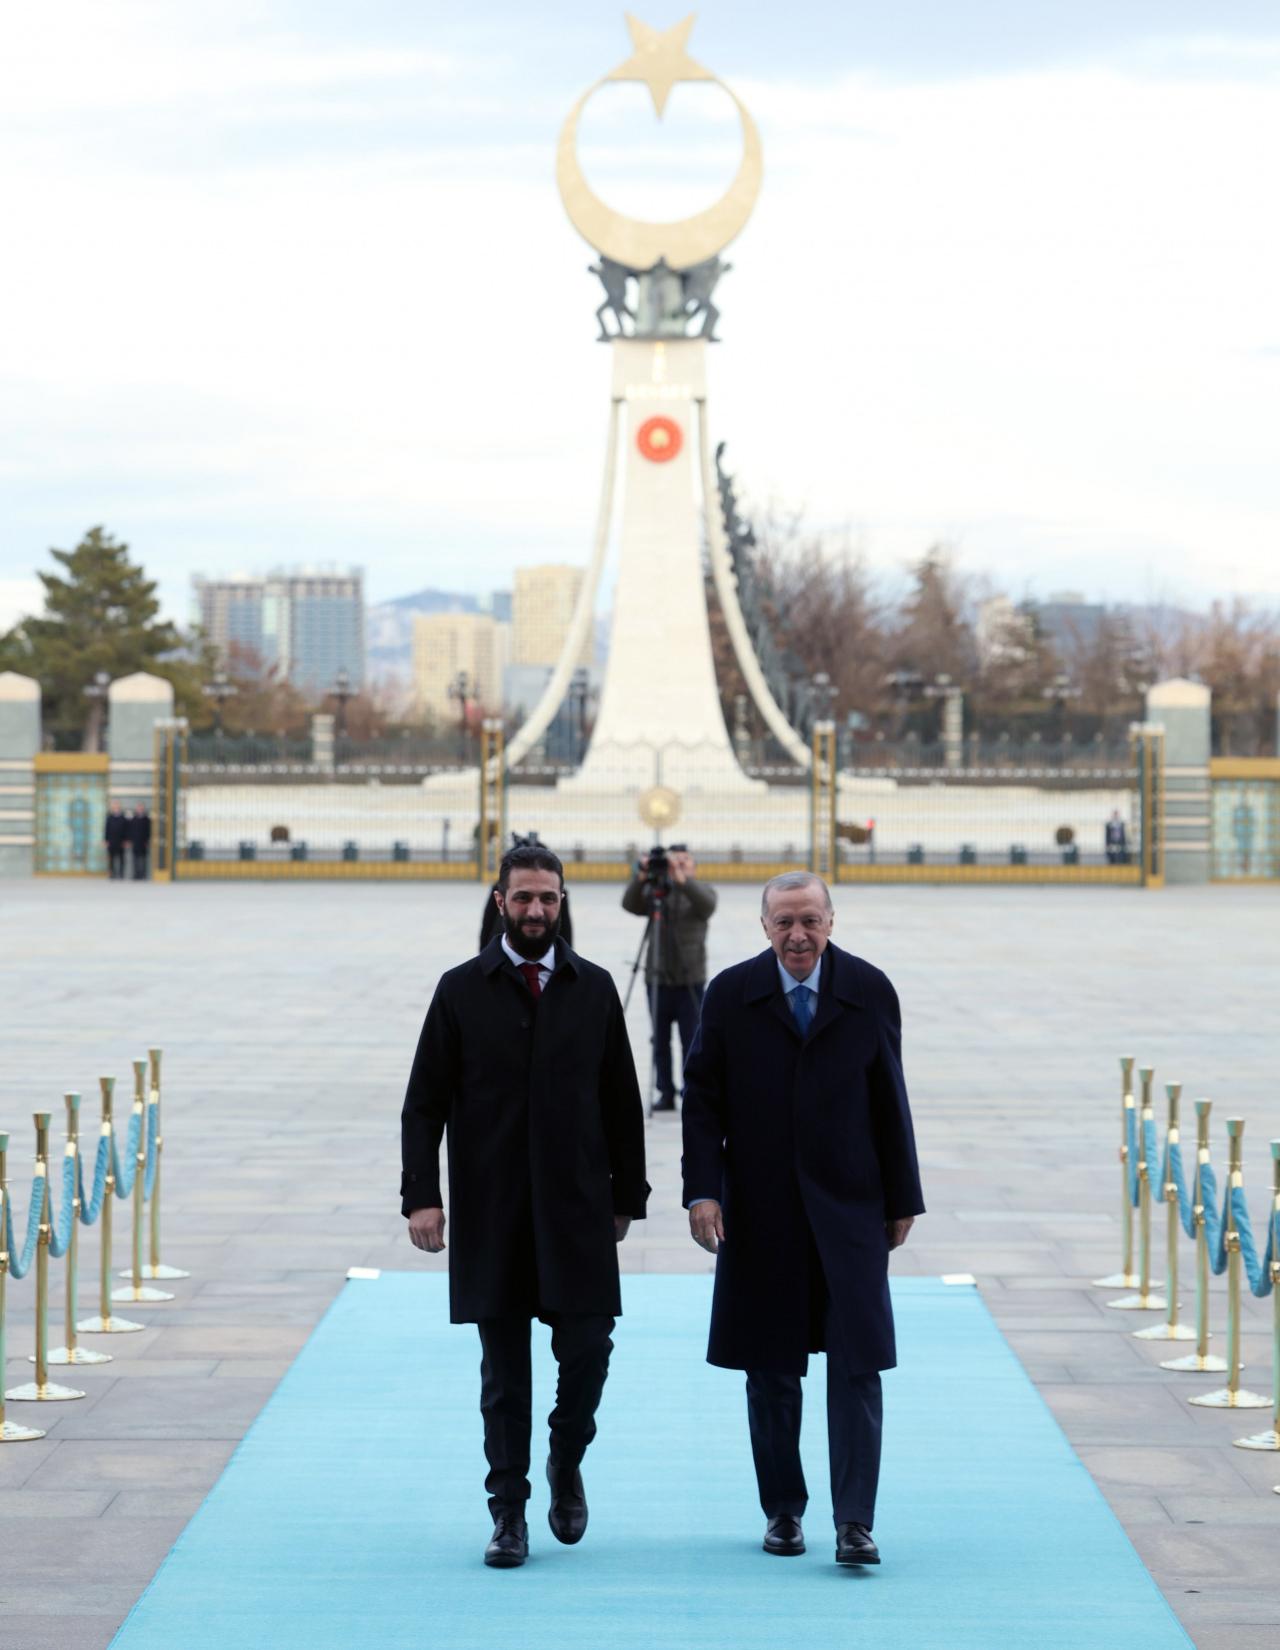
point(77, 1355)
point(160, 1271)
point(1139, 1303)
point(1209, 1364)
point(139, 1296)
point(108, 1326)
point(12, 1433)
point(1165, 1332)
point(1224, 1398)
point(1259, 1440)
point(1118, 1280)
point(34, 1393)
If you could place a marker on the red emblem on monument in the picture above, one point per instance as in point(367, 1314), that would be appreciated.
point(659, 439)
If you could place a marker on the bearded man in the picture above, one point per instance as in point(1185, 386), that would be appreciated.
point(524, 1061)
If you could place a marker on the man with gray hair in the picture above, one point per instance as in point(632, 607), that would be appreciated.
point(800, 1176)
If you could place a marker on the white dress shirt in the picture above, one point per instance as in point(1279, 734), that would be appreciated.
point(546, 963)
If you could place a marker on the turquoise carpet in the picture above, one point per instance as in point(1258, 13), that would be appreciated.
point(352, 1517)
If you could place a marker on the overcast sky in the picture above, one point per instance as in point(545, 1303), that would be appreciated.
point(288, 282)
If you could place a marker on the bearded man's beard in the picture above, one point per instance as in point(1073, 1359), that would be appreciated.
point(534, 944)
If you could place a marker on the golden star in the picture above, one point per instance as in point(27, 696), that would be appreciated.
point(660, 59)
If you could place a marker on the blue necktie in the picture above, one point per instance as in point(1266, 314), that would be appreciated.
point(802, 1007)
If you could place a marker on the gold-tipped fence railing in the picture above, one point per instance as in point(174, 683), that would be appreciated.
point(1222, 1231)
point(51, 1233)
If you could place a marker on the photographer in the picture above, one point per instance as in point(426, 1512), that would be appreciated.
point(664, 888)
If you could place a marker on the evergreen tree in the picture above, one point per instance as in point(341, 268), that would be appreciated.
point(101, 614)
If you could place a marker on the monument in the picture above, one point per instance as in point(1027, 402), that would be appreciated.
point(660, 720)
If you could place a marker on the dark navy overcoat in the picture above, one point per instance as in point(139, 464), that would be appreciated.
point(808, 1145)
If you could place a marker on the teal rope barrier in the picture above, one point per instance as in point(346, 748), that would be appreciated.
point(1177, 1176)
point(1257, 1268)
point(20, 1264)
point(1151, 1152)
point(60, 1236)
point(1215, 1223)
point(125, 1179)
point(91, 1207)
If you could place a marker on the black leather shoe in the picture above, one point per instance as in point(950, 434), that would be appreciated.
point(510, 1545)
point(784, 1537)
point(567, 1514)
point(855, 1546)
point(664, 1105)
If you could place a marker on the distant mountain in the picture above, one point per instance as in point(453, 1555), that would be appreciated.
point(389, 627)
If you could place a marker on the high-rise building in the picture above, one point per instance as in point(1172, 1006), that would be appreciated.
point(542, 605)
point(306, 622)
point(446, 645)
point(229, 612)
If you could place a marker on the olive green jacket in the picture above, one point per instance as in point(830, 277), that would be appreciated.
point(679, 953)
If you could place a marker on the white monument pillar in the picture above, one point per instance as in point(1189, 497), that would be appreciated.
point(660, 719)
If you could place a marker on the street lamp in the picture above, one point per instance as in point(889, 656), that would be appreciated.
point(96, 693)
point(825, 694)
point(459, 689)
point(342, 690)
point(578, 690)
point(219, 690)
point(952, 696)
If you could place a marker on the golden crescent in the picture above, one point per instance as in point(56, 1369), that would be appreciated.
point(639, 245)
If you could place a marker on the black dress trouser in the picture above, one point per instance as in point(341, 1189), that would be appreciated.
point(672, 1006)
point(581, 1346)
point(855, 1414)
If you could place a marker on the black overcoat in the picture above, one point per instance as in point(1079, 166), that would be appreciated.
point(545, 1131)
point(808, 1144)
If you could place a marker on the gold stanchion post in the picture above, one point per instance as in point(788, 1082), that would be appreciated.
point(42, 1389)
point(71, 1353)
point(156, 1268)
point(1126, 1277)
point(1201, 1361)
point(1144, 1300)
point(1170, 1329)
point(106, 1323)
point(137, 1291)
point(1233, 1395)
point(10, 1431)
point(1270, 1439)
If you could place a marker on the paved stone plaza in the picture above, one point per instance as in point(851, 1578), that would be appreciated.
point(288, 1015)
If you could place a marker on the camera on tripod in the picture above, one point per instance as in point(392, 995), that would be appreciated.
point(656, 867)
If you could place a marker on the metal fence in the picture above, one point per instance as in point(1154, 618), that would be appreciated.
point(931, 821)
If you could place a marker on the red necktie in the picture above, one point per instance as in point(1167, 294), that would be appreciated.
point(533, 976)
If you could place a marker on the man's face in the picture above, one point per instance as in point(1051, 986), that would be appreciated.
point(531, 911)
point(682, 862)
point(798, 925)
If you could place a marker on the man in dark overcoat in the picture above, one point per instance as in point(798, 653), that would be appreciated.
point(140, 841)
point(115, 833)
point(524, 1061)
point(800, 1175)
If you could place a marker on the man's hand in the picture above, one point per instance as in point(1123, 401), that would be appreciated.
point(426, 1230)
point(898, 1229)
point(706, 1224)
point(621, 1226)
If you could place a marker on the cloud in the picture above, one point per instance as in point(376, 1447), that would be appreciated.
point(346, 315)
